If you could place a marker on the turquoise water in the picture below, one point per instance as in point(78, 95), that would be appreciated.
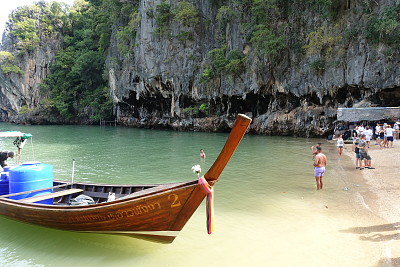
point(268, 212)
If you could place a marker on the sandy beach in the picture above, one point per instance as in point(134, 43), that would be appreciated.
point(381, 196)
point(383, 181)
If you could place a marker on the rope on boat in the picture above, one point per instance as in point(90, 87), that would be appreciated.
point(209, 191)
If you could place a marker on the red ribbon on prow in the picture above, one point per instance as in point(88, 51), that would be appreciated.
point(209, 191)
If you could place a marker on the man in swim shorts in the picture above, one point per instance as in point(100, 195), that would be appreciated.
point(319, 167)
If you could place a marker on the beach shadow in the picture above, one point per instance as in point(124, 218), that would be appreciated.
point(376, 233)
point(388, 262)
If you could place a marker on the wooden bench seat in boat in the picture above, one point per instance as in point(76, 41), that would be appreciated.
point(51, 195)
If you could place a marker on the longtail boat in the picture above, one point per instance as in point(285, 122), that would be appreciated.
point(155, 212)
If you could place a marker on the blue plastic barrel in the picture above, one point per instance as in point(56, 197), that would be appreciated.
point(31, 176)
point(4, 183)
point(6, 168)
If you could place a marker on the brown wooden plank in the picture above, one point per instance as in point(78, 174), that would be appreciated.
point(50, 195)
point(36, 190)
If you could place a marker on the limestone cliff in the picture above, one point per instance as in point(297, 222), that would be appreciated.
point(293, 95)
point(20, 91)
point(289, 65)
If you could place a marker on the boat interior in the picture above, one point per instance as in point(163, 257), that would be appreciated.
point(64, 192)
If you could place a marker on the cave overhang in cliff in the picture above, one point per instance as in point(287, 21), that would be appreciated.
point(368, 114)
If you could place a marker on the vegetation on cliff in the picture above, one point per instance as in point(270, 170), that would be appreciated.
point(8, 63)
point(77, 84)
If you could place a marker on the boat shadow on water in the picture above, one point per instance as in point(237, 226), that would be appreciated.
point(36, 240)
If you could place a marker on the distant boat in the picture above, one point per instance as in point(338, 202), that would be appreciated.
point(155, 212)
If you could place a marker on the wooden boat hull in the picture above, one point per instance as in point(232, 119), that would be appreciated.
point(155, 216)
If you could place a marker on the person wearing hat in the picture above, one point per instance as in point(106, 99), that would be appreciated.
point(4, 155)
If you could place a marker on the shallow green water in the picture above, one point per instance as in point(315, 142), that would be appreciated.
point(268, 212)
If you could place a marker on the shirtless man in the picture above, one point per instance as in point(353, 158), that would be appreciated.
point(319, 167)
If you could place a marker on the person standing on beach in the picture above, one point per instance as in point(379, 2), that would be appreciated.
point(368, 135)
point(339, 145)
point(389, 135)
point(377, 134)
point(381, 137)
point(396, 128)
point(319, 167)
point(356, 150)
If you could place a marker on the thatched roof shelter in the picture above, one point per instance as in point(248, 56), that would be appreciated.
point(368, 114)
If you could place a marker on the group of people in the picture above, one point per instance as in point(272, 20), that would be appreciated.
point(360, 148)
point(385, 134)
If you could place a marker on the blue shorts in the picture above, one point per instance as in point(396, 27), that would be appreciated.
point(390, 138)
point(357, 155)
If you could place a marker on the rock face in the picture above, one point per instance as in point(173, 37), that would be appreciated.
point(160, 82)
point(20, 93)
point(285, 98)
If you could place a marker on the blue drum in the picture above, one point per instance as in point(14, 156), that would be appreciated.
point(4, 183)
point(31, 176)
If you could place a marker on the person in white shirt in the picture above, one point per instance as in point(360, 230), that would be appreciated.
point(368, 135)
point(339, 145)
point(389, 135)
point(396, 128)
point(360, 130)
point(377, 132)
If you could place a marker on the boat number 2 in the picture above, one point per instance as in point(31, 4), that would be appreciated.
point(175, 200)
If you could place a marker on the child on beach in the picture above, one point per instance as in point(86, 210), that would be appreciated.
point(356, 150)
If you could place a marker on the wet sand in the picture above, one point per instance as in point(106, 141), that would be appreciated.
point(380, 194)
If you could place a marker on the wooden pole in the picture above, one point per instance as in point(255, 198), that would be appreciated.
point(73, 170)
